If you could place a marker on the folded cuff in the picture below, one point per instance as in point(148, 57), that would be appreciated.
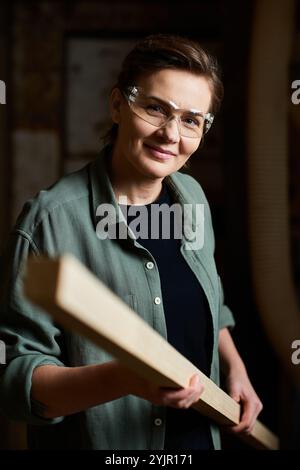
point(15, 388)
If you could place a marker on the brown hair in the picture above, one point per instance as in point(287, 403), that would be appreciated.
point(163, 51)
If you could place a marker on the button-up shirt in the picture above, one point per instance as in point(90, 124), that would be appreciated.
point(65, 219)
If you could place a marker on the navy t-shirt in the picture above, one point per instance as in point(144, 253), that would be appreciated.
point(188, 320)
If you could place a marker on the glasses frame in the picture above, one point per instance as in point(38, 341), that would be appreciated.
point(131, 94)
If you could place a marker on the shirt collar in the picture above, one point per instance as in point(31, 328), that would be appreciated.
point(102, 191)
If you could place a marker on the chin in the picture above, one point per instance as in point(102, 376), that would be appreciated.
point(159, 168)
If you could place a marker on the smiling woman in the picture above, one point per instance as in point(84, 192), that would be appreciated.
point(163, 103)
point(154, 143)
point(156, 111)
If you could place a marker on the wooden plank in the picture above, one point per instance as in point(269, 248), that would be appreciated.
point(79, 301)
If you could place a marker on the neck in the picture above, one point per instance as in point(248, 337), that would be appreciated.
point(127, 181)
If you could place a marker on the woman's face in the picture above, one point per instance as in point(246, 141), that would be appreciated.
point(140, 145)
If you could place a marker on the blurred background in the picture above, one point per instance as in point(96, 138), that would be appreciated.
point(59, 60)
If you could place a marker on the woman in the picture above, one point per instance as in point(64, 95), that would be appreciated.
point(162, 105)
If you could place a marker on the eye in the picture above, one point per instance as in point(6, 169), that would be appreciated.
point(155, 109)
point(191, 121)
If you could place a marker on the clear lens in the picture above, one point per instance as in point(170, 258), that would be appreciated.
point(159, 113)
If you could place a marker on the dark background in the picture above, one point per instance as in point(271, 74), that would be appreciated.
point(33, 125)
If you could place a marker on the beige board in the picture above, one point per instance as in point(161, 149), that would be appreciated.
point(77, 300)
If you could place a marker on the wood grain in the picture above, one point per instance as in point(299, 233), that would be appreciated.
point(65, 288)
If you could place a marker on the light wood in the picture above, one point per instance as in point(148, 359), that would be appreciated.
point(79, 301)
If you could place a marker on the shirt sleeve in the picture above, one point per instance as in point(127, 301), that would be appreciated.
point(226, 319)
point(30, 337)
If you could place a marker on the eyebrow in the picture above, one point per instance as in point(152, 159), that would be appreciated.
point(195, 112)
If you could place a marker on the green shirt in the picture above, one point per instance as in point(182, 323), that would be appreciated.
point(63, 219)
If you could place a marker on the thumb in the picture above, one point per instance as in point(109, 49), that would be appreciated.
point(196, 383)
point(195, 380)
point(235, 395)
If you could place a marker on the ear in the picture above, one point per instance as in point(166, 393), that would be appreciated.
point(115, 105)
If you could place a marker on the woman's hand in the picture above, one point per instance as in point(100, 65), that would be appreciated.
point(174, 397)
point(238, 384)
point(240, 389)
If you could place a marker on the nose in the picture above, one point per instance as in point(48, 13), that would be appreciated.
point(171, 130)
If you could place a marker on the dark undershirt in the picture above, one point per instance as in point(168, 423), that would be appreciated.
point(188, 323)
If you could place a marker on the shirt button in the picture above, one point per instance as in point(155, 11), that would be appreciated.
point(150, 265)
point(157, 300)
point(158, 422)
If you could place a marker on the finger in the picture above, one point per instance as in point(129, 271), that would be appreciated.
point(172, 398)
point(196, 385)
point(183, 397)
point(181, 404)
point(190, 399)
point(258, 408)
point(195, 381)
point(246, 420)
point(177, 401)
point(192, 392)
point(182, 400)
point(235, 396)
point(243, 426)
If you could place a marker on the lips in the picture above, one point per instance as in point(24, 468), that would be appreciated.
point(161, 150)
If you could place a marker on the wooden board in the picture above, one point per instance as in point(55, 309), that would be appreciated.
point(80, 302)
